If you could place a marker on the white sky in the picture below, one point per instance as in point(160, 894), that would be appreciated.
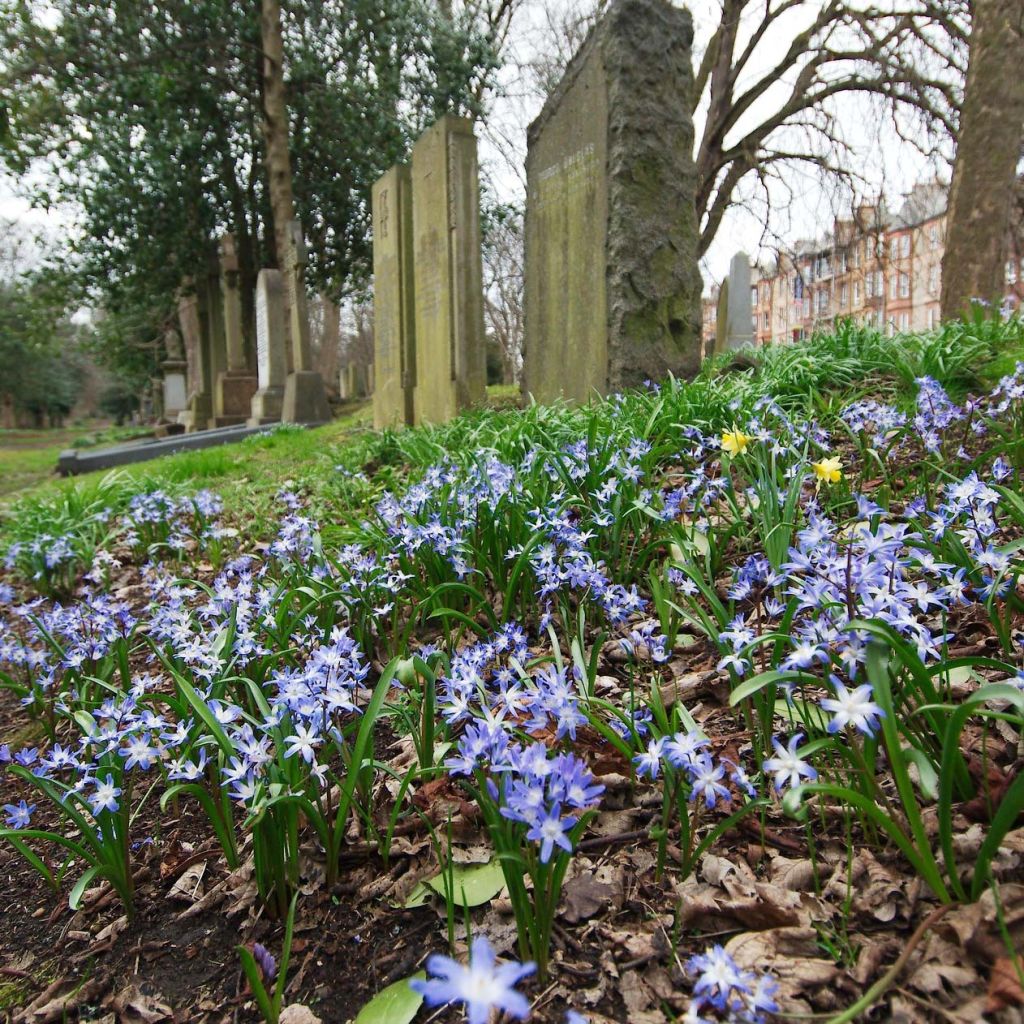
point(879, 156)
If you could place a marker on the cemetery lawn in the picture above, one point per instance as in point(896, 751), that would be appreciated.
point(706, 700)
point(28, 457)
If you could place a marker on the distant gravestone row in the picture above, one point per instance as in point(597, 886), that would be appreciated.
point(213, 382)
point(612, 290)
point(612, 287)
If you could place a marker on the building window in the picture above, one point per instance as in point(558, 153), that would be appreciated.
point(798, 287)
point(904, 286)
point(904, 323)
point(856, 293)
point(842, 262)
point(933, 237)
point(767, 321)
point(856, 255)
point(905, 246)
point(933, 279)
point(893, 284)
point(894, 249)
point(1011, 271)
point(879, 285)
point(933, 318)
point(844, 295)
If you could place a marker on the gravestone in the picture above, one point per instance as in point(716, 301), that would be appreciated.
point(447, 272)
point(271, 366)
point(305, 398)
point(211, 323)
point(175, 393)
point(236, 384)
point(722, 318)
point(740, 306)
point(612, 290)
point(394, 339)
point(357, 382)
point(193, 320)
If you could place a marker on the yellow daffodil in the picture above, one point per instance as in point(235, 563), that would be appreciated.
point(828, 471)
point(735, 442)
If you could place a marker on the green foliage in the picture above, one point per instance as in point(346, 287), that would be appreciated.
point(147, 118)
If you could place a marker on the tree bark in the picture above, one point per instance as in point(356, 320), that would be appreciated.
point(988, 150)
point(275, 126)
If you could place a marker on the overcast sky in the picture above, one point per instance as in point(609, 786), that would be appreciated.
point(879, 156)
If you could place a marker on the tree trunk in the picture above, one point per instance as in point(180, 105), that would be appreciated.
point(988, 149)
point(275, 127)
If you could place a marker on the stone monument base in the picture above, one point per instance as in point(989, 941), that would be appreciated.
point(305, 399)
point(233, 398)
point(266, 407)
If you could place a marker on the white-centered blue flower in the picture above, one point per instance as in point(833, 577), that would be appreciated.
point(484, 986)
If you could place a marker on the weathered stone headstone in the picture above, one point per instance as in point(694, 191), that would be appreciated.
point(357, 381)
point(741, 310)
point(722, 318)
point(193, 319)
point(612, 283)
point(236, 384)
point(175, 393)
point(211, 321)
point(305, 398)
point(271, 366)
point(447, 272)
point(394, 310)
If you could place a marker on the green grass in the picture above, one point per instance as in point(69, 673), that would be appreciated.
point(345, 464)
point(29, 457)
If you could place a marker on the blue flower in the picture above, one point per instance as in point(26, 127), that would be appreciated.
point(483, 986)
point(19, 815)
point(852, 708)
point(550, 831)
point(787, 764)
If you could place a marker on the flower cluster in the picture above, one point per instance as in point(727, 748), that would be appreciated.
point(724, 991)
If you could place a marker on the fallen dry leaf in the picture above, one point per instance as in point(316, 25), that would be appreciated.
point(1004, 986)
point(583, 897)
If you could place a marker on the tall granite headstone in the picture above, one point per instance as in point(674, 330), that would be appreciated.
point(612, 282)
point(305, 398)
point(447, 272)
point(271, 356)
point(236, 383)
point(740, 304)
point(394, 310)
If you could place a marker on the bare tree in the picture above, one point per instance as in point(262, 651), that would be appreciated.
point(769, 76)
point(983, 195)
point(503, 289)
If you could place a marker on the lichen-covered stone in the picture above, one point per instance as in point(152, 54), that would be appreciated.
point(612, 281)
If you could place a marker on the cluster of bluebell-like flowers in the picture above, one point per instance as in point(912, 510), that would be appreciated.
point(724, 991)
